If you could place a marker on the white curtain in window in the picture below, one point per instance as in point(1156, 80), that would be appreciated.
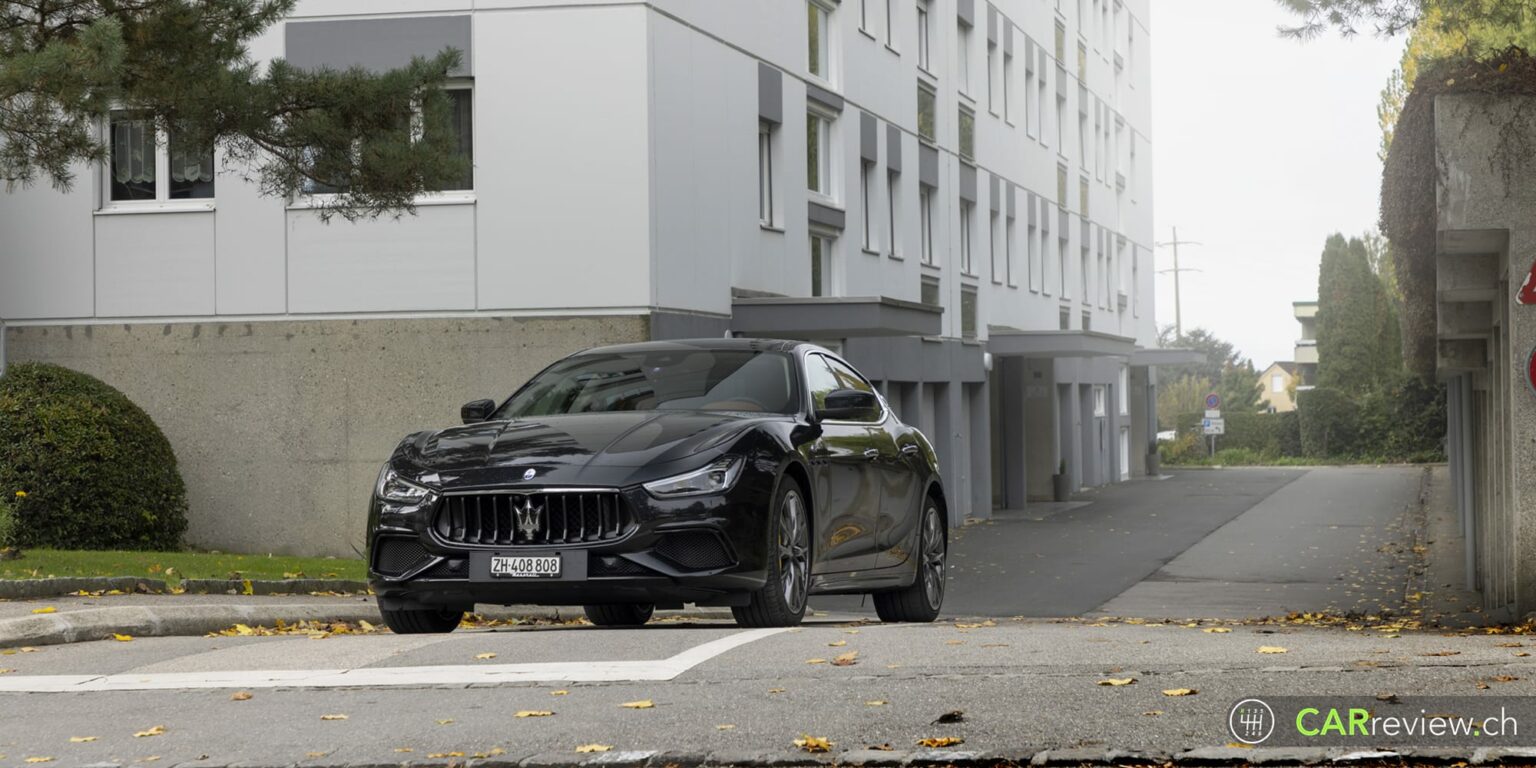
point(190, 165)
point(133, 151)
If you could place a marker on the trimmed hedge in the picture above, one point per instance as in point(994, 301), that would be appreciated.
point(7, 524)
point(93, 470)
point(1328, 420)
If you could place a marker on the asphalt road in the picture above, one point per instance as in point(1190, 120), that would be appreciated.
point(1226, 543)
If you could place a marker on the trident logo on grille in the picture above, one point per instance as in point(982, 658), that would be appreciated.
point(528, 516)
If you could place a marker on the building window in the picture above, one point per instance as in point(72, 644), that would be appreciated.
point(1082, 195)
point(461, 123)
point(994, 79)
point(765, 180)
point(923, 34)
point(1087, 295)
point(967, 216)
point(1099, 406)
point(1061, 45)
point(967, 133)
point(927, 112)
point(1008, 251)
point(925, 222)
point(1124, 390)
point(890, 23)
point(867, 203)
point(1033, 246)
point(968, 313)
point(1087, 320)
point(1064, 319)
point(1135, 281)
point(892, 190)
point(142, 168)
point(1082, 63)
point(963, 56)
point(1277, 384)
point(929, 292)
point(818, 153)
point(1031, 117)
point(822, 275)
point(1042, 97)
point(995, 246)
point(1008, 88)
point(1061, 185)
point(864, 15)
point(1061, 263)
point(819, 38)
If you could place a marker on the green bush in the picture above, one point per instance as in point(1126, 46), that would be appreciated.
point(1287, 432)
point(95, 471)
point(1239, 457)
point(1329, 422)
point(1186, 448)
point(7, 524)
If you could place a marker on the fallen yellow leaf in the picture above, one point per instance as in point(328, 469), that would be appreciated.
point(939, 742)
point(1273, 649)
point(589, 748)
point(333, 717)
point(6, 670)
point(641, 704)
point(448, 721)
point(775, 690)
point(1118, 681)
point(484, 656)
point(813, 744)
point(535, 713)
point(441, 755)
point(405, 749)
point(876, 703)
point(1179, 692)
point(122, 638)
point(726, 727)
point(47, 609)
point(846, 659)
point(158, 730)
point(1217, 630)
point(81, 739)
point(561, 692)
point(1152, 713)
point(39, 759)
point(815, 661)
point(240, 696)
point(837, 644)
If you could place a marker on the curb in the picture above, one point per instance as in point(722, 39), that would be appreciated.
point(272, 586)
point(1207, 756)
point(159, 621)
point(25, 589)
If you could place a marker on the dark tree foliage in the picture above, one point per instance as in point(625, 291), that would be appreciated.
point(382, 139)
point(1231, 375)
point(1387, 18)
point(1359, 344)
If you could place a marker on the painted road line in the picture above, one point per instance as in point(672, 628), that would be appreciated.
point(380, 677)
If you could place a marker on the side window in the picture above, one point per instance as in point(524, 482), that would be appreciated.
point(819, 379)
point(848, 379)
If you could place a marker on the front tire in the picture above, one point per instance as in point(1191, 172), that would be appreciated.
point(781, 601)
point(921, 601)
point(619, 614)
point(421, 622)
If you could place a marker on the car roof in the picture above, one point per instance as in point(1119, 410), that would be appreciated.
point(757, 345)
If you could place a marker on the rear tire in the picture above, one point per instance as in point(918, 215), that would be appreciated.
point(422, 622)
point(921, 601)
point(619, 614)
point(781, 601)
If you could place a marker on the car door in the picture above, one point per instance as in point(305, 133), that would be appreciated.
point(847, 485)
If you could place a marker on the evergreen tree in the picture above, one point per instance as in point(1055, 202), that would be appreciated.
point(381, 138)
point(1358, 341)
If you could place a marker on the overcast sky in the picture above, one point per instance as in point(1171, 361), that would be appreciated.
point(1262, 147)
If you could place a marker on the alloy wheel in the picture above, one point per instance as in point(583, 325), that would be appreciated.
point(794, 551)
point(933, 558)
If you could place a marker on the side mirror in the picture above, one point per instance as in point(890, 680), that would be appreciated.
point(848, 404)
point(477, 411)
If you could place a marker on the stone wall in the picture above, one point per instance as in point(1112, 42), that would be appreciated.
point(280, 427)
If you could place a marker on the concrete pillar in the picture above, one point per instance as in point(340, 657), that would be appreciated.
point(977, 439)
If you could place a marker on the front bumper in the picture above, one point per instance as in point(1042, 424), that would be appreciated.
point(708, 550)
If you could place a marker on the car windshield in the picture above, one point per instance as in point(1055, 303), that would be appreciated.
point(662, 380)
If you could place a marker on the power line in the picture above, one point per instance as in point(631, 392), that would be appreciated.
point(1178, 303)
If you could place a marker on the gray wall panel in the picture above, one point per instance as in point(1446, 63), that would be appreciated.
point(378, 45)
point(770, 93)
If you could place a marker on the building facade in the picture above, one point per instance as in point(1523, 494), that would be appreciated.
point(955, 194)
point(1277, 387)
point(1306, 344)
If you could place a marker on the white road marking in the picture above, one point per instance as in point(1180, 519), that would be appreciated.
point(377, 677)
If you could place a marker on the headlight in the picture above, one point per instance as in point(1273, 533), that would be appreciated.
point(393, 487)
point(718, 477)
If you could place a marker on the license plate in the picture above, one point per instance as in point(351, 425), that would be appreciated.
point(525, 567)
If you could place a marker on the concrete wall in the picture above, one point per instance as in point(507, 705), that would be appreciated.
point(280, 427)
point(1487, 246)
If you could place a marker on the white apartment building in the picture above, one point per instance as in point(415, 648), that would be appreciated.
point(954, 193)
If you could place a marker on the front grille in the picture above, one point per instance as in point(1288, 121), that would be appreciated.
point(599, 567)
point(695, 550)
point(532, 519)
point(396, 557)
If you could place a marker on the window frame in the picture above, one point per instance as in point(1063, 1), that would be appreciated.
point(963, 34)
point(1010, 235)
point(924, 89)
point(995, 229)
point(924, 36)
point(892, 189)
point(766, 183)
point(967, 254)
point(831, 285)
point(162, 202)
point(926, 194)
point(867, 186)
point(822, 52)
point(826, 142)
point(965, 139)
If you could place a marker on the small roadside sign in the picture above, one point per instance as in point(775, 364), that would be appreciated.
point(1212, 402)
point(1213, 414)
point(1214, 426)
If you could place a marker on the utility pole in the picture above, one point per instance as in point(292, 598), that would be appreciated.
point(1178, 301)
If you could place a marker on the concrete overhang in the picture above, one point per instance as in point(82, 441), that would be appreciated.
point(1007, 342)
point(834, 317)
point(1152, 357)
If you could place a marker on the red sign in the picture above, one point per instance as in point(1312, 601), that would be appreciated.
point(1527, 294)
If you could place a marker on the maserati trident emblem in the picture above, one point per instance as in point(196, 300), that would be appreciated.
point(528, 516)
point(529, 474)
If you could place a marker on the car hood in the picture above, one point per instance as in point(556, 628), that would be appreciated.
point(583, 448)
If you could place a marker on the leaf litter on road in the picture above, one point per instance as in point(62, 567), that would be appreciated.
point(641, 704)
point(240, 696)
point(939, 742)
point(846, 659)
point(813, 744)
point(526, 713)
point(1116, 682)
point(158, 730)
point(590, 748)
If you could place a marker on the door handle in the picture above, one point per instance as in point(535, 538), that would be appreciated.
point(872, 453)
point(910, 449)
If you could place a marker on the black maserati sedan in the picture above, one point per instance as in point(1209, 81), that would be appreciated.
point(746, 473)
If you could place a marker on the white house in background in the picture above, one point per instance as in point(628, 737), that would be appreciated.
point(954, 193)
